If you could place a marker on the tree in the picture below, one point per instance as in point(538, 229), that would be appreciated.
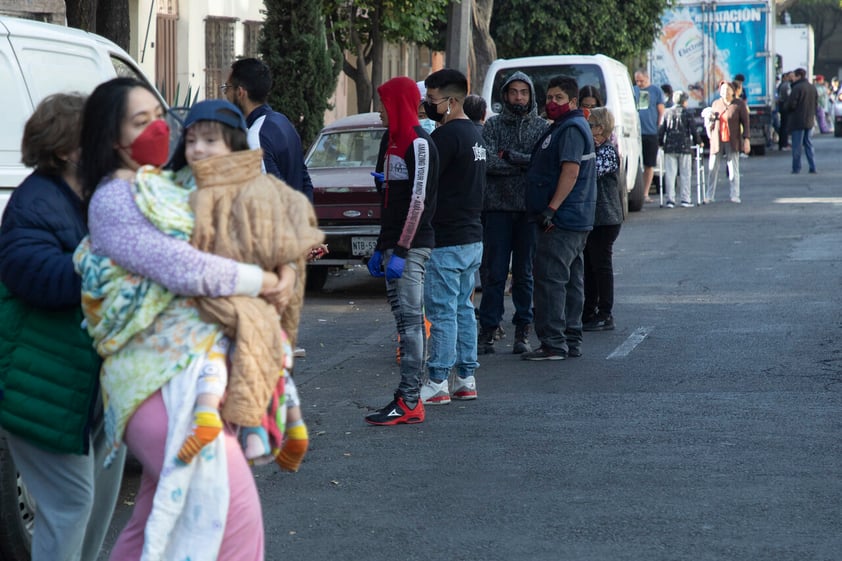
point(362, 27)
point(304, 65)
point(824, 15)
point(622, 29)
point(484, 50)
point(109, 18)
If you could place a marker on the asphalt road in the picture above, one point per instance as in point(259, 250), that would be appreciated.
point(705, 427)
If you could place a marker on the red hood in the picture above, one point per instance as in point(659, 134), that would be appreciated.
point(400, 97)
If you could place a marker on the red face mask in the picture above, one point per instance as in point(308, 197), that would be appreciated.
point(556, 111)
point(152, 146)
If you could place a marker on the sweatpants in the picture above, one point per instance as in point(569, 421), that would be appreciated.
point(146, 435)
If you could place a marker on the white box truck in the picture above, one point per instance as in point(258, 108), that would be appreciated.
point(796, 45)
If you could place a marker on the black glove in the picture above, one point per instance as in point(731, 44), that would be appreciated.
point(545, 219)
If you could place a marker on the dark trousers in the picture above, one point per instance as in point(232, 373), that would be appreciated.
point(506, 235)
point(599, 272)
point(783, 131)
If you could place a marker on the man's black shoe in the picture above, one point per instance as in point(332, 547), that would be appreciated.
point(601, 324)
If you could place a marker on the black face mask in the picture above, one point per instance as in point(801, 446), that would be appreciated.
point(517, 108)
point(431, 109)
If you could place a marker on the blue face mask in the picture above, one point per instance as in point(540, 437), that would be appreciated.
point(428, 125)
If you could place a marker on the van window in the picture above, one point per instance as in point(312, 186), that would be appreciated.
point(125, 69)
point(584, 74)
point(14, 100)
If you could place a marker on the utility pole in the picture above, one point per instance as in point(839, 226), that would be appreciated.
point(458, 35)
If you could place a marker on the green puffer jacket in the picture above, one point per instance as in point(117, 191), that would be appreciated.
point(49, 375)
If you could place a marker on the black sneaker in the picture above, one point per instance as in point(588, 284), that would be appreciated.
point(574, 352)
point(485, 341)
point(601, 324)
point(544, 354)
point(521, 340)
point(397, 413)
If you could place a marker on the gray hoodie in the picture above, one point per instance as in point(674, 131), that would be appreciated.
point(516, 135)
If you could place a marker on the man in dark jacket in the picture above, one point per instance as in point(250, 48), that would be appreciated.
point(802, 104)
point(248, 88)
point(409, 166)
point(508, 234)
point(562, 196)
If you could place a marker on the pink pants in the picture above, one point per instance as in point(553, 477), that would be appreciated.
point(146, 436)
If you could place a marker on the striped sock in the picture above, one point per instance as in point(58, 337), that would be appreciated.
point(294, 447)
point(206, 427)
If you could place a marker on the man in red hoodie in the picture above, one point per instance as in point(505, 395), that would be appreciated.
point(407, 177)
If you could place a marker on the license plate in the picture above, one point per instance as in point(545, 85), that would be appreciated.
point(363, 247)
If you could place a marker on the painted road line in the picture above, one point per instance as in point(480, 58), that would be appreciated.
point(629, 344)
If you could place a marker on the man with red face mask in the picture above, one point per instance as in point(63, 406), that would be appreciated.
point(562, 195)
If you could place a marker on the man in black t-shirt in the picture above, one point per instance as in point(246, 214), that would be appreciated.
point(456, 257)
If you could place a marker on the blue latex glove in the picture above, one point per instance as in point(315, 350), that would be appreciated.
point(375, 264)
point(378, 176)
point(394, 270)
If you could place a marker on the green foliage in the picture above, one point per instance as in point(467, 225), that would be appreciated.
point(622, 29)
point(392, 20)
point(304, 66)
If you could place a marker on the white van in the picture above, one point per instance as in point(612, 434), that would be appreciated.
point(610, 77)
point(36, 60)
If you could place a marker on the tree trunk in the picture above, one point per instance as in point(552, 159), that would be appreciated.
point(376, 57)
point(112, 21)
point(483, 51)
point(359, 74)
point(81, 14)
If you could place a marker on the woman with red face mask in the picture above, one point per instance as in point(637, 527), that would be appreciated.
point(153, 342)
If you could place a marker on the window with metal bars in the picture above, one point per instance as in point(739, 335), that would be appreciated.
point(251, 38)
point(219, 53)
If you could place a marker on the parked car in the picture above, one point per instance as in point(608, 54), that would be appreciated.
point(341, 161)
point(36, 60)
point(610, 77)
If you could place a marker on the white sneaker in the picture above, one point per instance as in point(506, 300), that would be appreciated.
point(465, 388)
point(685, 204)
point(735, 200)
point(433, 393)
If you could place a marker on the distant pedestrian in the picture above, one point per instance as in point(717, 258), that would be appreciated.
point(821, 109)
point(727, 123)
point(509, 234)
point(652, 97)
point(784, 89)
point(667, 89)
point(739, 82)
point(562, 197)
point(449, 282)
point(802, 104)
point(475, 108)
point(597, 314)
point(677, 136)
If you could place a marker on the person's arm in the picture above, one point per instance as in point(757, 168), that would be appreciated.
point(306, 182)
point(744, 121)
point(661, 113)
point(421, 175)
point(571, 151)
point(566, 182)
point(120, 232)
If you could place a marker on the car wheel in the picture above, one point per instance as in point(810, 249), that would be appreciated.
point(316, 277)
point(17, 510)
point(638, 194)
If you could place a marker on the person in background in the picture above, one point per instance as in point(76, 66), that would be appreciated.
point(509, 235)
point(739, 81)
point(589, 98)
point(456, 256)
point(597, 314)
point(475, 108)
point(667, 89)
point(802, 104)
point(248, 87)
point(821, 108)
point(729, 133)
point(408, 164)
point(562, 197)
point(677, 136)
point(426, 123)
point(650, 120)
point(784, 89)
point(48, 391)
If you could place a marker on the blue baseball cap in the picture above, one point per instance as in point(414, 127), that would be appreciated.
point(216, 110)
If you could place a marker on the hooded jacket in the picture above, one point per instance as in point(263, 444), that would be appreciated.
point(514, 135)
point(410, 163)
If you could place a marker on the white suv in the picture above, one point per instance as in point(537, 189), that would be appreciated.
point(610, 77)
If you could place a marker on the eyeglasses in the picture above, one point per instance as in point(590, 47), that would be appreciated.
point(225, 87)
point(434, 102)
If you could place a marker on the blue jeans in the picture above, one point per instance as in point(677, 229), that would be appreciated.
point(802, 138)
point(559, 289)
point(406, 297)
point(447, 302)
point(506, 234)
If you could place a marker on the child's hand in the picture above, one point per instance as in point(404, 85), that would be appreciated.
point(317, 252)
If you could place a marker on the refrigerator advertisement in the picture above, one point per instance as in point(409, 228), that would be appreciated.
point(703, 44)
